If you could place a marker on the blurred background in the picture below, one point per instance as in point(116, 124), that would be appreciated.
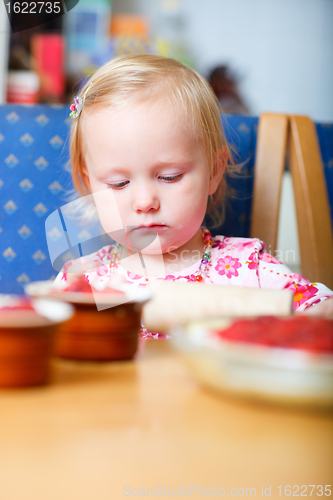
point(268, 55)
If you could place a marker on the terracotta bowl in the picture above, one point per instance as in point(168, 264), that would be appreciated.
point(108, 334)
point(27, 332)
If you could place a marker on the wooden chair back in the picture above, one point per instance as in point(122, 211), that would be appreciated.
point(268, 172)
point(312, 207)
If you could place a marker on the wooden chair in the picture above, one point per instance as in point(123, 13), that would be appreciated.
point(268, 172)
point(312, 207)
point(260, 146)
point(295, 135)
point(278, 135)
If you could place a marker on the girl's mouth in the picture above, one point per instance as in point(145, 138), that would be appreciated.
point(154, 227)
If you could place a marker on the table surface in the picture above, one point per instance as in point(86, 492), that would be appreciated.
point(103, 431)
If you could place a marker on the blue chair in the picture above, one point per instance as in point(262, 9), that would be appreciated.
point(325, 138)
point(35, 180)
point(241, 133)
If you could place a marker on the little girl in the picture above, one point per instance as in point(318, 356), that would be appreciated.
point(147, 146)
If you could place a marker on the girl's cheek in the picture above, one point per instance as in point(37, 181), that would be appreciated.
point(122, 201)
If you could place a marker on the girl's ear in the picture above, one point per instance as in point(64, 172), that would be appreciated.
point(218, 170)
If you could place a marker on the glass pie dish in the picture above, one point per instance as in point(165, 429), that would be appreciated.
point(278, 360)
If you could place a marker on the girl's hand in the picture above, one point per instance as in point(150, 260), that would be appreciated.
point(324, 309)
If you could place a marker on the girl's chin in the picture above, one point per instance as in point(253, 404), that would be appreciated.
point(145, 242)
point(154, 252)
point(151, 250)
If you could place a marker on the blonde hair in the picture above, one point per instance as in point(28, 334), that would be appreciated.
point(145, 77)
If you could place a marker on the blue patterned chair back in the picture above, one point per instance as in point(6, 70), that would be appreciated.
point(325, 138)
point(241, 134)
point(35, 181)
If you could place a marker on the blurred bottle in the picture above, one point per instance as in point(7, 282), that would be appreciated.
point(86, 28)
point(170, 32)
point(130, 34)
point(48, 52)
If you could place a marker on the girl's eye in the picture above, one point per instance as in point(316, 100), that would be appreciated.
point(171, 178)
point(118, 185)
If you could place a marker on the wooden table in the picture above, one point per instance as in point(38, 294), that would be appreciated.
point(100, 427)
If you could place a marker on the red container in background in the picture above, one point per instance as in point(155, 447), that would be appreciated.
point(22, 87)
point(48, 51)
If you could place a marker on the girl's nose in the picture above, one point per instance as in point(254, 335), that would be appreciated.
point(145, 199)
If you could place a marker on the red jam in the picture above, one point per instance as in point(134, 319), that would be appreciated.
point(81, 285)
point(299, 332)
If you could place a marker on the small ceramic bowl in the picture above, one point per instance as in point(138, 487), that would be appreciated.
point(27, 331)
point(228, 358)
point(108, 334)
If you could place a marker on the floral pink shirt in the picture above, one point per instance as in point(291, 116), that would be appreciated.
point(234, 262)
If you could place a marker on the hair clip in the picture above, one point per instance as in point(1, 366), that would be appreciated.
point(77, 106)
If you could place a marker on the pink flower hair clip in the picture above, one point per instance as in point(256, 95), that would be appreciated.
point(77, 106)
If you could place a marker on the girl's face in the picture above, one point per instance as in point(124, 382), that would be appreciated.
point(142, 159)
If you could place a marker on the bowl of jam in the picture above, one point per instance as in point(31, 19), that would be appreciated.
point(106, 323)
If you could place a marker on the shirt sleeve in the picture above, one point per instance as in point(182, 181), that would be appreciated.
point(274, 274)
